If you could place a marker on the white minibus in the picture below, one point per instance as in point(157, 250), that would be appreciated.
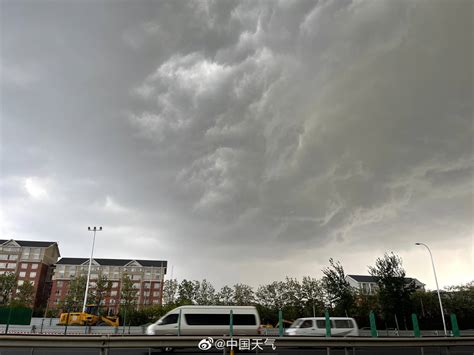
point(207, 320)
point(316, 326)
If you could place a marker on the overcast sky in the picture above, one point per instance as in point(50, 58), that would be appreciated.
point(242, 141)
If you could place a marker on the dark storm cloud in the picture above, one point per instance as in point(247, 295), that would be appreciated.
point(237, 133)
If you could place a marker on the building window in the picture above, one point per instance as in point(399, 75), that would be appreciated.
point(11, 249)
point(10, 266)
point(34, 266)
point(115, 284)
point(25, 255)
point(58, 292)
point(3, 265)
point(136, 277)
point(3, 256)
point(156, 294)
point(35, 253)
point(13, 257)
point(33, 274)
point(24, 266)
point(20, 282)
point(22, 274)
point(113, 293)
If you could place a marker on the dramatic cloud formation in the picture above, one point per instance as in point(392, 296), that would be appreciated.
point(242, 141)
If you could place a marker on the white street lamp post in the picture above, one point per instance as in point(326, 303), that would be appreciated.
point(437, 287)
point(95, 229)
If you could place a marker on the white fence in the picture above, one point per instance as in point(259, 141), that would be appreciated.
point(44, 321)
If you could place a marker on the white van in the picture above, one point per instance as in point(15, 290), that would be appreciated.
point(340, 326)
point(207, 320)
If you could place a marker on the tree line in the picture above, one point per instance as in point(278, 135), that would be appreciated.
point(96, 295)
point(74, 299)
point(393, 302)
point(396, 297)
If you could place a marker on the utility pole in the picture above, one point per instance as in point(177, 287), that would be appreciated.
point(95, 229)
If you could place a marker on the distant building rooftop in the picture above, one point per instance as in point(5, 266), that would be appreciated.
point(28, 243)
point(112, 262)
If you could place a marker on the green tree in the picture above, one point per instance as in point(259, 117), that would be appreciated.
point(460, 300)
point(24, 296)
point(128, 300)
point(170, 291)
point(205, 293)
point(186, 292)
point(7, 284)
point(312, 296)
point(292, 292)
point(293, 306)
point(364, 303)
point(100, 291)
point(457, 299)
point(425, 304)
point(271, 295)
point(394, 290)
point(339, 292)
point(128, 294)
point(75, 294)
point(243, 295)
point(225, 296)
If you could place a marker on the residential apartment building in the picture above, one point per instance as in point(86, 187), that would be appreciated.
point(368, 285)
point(146, 275)
point(30, 261)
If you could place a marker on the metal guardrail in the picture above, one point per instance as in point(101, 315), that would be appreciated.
point(73, 330)
point(135, 342)
point(141, 330)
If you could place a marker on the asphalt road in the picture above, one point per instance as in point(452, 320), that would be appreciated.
point(295, 351)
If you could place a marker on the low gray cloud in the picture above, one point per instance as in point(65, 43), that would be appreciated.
point(242, 135)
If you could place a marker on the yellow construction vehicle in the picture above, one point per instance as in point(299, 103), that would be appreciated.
point(89, 317)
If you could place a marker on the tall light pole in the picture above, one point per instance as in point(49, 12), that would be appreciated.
point(437, 287)
point(95, 229)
